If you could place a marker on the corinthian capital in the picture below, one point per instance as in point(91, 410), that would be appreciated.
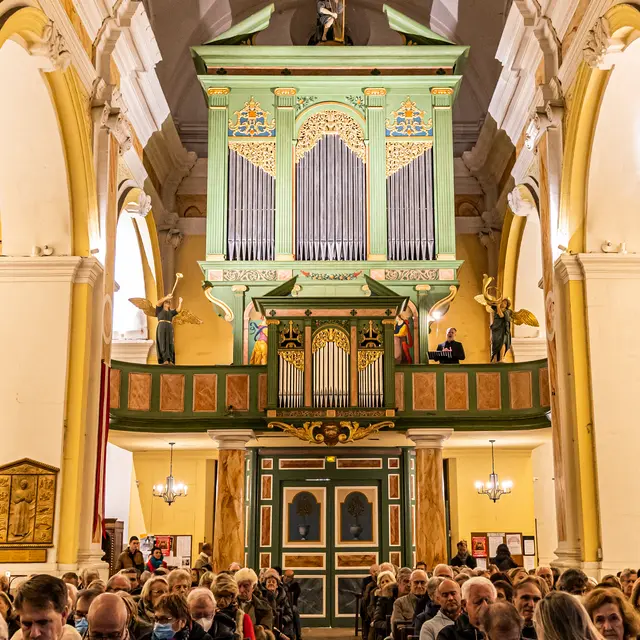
point(51, 49)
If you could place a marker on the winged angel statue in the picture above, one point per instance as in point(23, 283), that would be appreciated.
point(503, 316)
point(167, 317)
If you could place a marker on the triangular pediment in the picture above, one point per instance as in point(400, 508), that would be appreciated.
point(27, 466)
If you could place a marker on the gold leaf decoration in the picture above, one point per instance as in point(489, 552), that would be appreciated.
point(331, 433)
point(400, 154)
point(294, 357)
point(367, 357)
point(334, 123)
point(330, 335)
point(260, 153)
point(252, 121)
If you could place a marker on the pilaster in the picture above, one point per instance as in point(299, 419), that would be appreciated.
point(239, 291)
point(423, 322)
point(442, 101)
point(217, 178)
point(285, 134)
point(272, 362)
point(389, 365)
point(375, 104)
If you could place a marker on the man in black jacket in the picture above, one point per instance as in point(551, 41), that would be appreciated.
point(451, 346)
point(477, 595)
point(464, 558)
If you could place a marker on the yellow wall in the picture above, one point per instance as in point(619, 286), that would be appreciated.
point(473, 512)
point(208, 343)
point(186, 516)
point(470, 318)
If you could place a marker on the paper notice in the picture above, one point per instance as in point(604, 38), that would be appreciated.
point(529, 562)
point(529, 548)
point(494, 541)
point(514, 542)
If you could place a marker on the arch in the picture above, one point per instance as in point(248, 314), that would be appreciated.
point(27, 27)
point(589, 88)
point(334, 105)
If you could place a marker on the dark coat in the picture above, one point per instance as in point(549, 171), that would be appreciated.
point(259, 611)
point(430, 611)
point(461, 630)
point(384, 609)
point(282, 611)
point(457, 352)
point(503, 559)
point(469, 561)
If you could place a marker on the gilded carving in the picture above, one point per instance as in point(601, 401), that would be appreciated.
point(252, 121)
point(294, 357)
point(411, 274)
point(249, 275)
point(408, 121)
point(285, 91)
point(367, 357)
point(441, 91)
point(217, 91)
point(331, 433)
point(332, 276)
point(330, 122)
point(261, 154)
point(331, 335)
point(400, 154)
point(27, 504)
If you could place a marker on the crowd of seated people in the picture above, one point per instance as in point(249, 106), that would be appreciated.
point(460, 601)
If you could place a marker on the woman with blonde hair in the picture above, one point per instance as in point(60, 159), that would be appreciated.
point(384, 597)
point(206, 580)
point(560, 616)
point(154, 588)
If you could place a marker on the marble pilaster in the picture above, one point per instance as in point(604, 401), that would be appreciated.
point(228, 534)
point(430, 526)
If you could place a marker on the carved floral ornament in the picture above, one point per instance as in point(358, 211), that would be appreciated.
point(408, 121)
point(331, 122)
point(252, 121)
point(52, 48)
point(261, 153)
point(331, 433)
point(331, 334)
point(401, 154)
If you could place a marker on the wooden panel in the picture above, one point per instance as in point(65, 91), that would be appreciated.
point(424, 392)
point(265, 560)
point(262, 392)
point(267, 463)
point(520, 389)
point(359, 463)
point(394, 486)
point(265, 526)
point(543, 381)
point(267, 484)
point(172, 392)
point(238, 392)
point(303, 561)
point(205, 392)
point(22, 555)
point(394, 463)
point(114, 388)
point(489, 391)
point(400, 390)
point(395, 557)
point(355, 560)
point(139, 392)
point(394, 525)
point(456, 392)
point(312, 463)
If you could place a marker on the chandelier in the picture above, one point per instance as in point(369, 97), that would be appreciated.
point(170, 491)
point(494, 489)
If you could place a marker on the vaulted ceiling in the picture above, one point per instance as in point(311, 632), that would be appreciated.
point(180, 24)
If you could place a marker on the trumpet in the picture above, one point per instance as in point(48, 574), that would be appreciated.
point(178, 277)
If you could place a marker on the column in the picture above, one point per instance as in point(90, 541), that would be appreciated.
point(431, 534)
point(229, 529)
point(376, 101)
point(272, 362)
point(238, 321)
point(285, 134)
point(442, 101)
point(389, 365)
point(423, 322)
point(217, 177)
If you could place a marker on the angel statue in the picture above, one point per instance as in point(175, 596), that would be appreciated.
point(167, 317)
point(503, 316)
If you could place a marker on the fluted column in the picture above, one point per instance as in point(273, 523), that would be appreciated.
point(217, 177)
point(228, 533)
point(423, 320)
point(389, 365)
point(272, 362)
point(239, 292)
point(431, 534)
point(376, 100)
point(285, 134)
point(442, 100)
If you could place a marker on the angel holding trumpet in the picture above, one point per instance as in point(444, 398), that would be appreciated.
point(167, 317)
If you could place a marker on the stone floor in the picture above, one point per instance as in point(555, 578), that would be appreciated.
point(321, 634)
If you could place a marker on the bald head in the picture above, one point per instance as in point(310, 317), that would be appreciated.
point(443, 571)
point(107, 615)
point(449, 597)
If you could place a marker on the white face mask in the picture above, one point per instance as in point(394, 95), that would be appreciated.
point(205, 623)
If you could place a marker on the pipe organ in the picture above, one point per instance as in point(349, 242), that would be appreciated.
point(331, 368)
point(291, 361)
point(370, 367)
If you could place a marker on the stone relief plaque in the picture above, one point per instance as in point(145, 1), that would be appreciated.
point(27, 505)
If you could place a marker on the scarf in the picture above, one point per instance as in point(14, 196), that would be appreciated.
point(155, 562)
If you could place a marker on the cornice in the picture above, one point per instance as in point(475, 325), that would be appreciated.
point(228, 439)
point(610, 266)
point(89, 271)
point(568, 268)
point(39, 269)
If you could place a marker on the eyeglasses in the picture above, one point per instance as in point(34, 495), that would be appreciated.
point(164, 619)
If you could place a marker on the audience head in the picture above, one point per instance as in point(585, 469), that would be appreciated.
point(171, 615)
point(418, 582)
point(421, 565)
point(225, 590)
point(4, 584)
point(443, 571)
point(386, 578)
point(206, 580)
point(504, 577)
point(404, 581)
point(154, 588)
point(134, 544)
point(461, 578)
point(289, 576)
point(635, 596)
point(118, 582)
point(501, 621)
point(612, 614)
point(234, 566)
point(144, 576)
point(449, 597)
point(527, 593)
point(71, 578)
point(72, 595)
point(462, 545)
point(547, 575)
point(207, 549)
point(517, 574)
point(387, 566)
point(87, 576)
point(85, 598)
point(477, 594)
point(432, 587)
point(560, 616)
point(202, 607)
point(374, 570)
point(132, 574)
point(179, 582)
point(43, 606)
point(98, 585)
point(504, 591)
point(271, 580)
point(611, 581)
point(573, 581)
point(628, 578)
point(246, 580)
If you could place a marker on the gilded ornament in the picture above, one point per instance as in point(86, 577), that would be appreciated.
point(330, 122)
point(252, 121)
point(411, 274)
point(249, 275)
point(442, 91)
point(375, 92)
point(289, 91)
point(401, 154)
point(291, 337)
point(330, 334)
point(331, 276)
point(408, 121)
point(331, 433)
point(367, 357)
point(260, 153)
point(218, 91)
point(294, 357)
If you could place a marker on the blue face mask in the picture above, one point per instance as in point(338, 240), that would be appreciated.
point(81, 626)
point(163, 631)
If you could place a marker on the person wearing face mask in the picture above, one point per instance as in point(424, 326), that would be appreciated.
point(85, 599)
point(202, 607)
point(230, 622)
point(173, 621)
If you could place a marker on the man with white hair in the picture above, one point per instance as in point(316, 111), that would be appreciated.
point(404, 608)
point(429, 606)
point(443, 571)
point(250, 602)
point(477, 595)
point(449, 598)
point(202, 607)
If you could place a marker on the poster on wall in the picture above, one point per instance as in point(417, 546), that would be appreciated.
point(164, 543)
point(514, 542)
point(479, 547)
point(495, 539)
